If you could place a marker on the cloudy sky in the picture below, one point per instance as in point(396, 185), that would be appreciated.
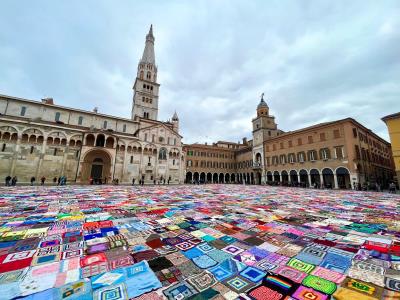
point(315, 60)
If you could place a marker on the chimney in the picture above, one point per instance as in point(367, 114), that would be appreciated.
point(48, 101)
point(95, 110)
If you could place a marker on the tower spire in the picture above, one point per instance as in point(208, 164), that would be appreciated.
point(148, 52)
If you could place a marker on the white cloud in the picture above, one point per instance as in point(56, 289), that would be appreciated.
point(316, 61)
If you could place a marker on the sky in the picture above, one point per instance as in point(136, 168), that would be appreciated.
point(315, 60)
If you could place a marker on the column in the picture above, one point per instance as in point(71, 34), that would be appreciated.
point(64, 161)
point(321, 179)
point(335, 181)
point(41, 156)
point(124, 165)
point(15, 156)
point(309, 179)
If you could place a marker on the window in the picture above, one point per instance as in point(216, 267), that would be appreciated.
point(292, 158)
point(339, 152)
point(283, 159)
point(57, 117)
point(310, 139)
point(325, 153)
point(55, 152)
point(174, 142)
point(173, 162)
point(336, 133)
point(301, 157)
point(357, 149)
point(105, 124)
point(322, 136)
point(23, 111)
point(153, 138)
point(80, 120)
point(290, 144)
point(145, 137)
point(32, 149)
point(312, 155)
point(124, 128)
point(131, 159)
point(168, 141)
point(299, 141)
point(162, 154)
point(77, 153)
point(3, 148)
point(281, 145)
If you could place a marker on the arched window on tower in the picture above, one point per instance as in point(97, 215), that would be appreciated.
point(141, 74)
point(148, 75)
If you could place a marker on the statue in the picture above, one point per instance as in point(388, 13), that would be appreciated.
point(262, 97)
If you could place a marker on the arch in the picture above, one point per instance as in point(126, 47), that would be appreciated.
point(72, 143)
point(285, 177)
point(328, 178)
point(196, 176)
point(315, 178)
point(24, 138)
point(202, 177)
point(252, 178)
point(100, 140)
point(258, 158)
point(270, 177)
point(96, 165)
point(189, 177)
point(303, 178)
point(227, 178)
point(221, 178)
point(233, 178)
point(110, 142)
point(258, 178)
point(343, 178)
point(276, 176)
point(215, 178)
point(294, 179)
point(209, 177)
point(89, 141)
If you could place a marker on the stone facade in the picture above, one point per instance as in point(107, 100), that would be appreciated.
point(338, 154)
point(393, 124)
point(40, 138)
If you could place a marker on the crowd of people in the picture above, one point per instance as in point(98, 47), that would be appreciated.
point(12, 181)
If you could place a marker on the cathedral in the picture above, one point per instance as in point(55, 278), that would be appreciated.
point(42, 139)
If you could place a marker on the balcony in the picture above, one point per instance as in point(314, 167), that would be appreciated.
point(257, 165)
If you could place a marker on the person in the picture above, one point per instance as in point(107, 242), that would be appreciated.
point(14, 181)
point(133, 181)
point(392, 188)
point(154, 182)
point(142, 181)
point(59, 180)
point(42, 180)
point(105, 180)
point(168, 180)
point(55, 180)
point(91, 180)
point(378, 187)
point(8, 179)
point(33, 179)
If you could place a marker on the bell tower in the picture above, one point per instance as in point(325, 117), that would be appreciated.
point(264, 126)
point(146, 88)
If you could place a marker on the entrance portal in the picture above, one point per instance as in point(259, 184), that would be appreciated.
point(96, 165)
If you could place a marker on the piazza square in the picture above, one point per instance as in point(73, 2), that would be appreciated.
point(215, 241)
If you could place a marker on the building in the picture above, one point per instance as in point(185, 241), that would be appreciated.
point(393, 124)
point(337, 154)
point(40, 138)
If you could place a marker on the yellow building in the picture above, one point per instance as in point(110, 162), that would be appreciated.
point(393, 124)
